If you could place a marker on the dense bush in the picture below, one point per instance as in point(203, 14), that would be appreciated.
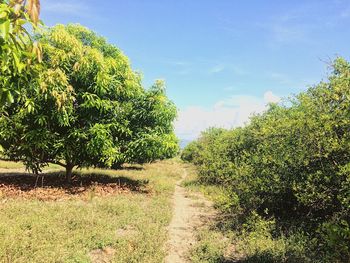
point(291, 163)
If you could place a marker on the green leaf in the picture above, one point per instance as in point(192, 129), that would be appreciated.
point(5, 29)
point(9, 97)
point(3, 14)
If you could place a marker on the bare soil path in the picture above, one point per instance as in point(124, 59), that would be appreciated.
point(191, 211)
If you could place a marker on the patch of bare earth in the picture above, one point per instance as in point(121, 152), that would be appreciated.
point(51, 186)
point(190, 213)
point(126, 231)
point(102, 255)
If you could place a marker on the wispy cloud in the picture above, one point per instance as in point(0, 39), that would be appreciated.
point(238, 70)
point(176, 62)
point(217, 69)
point(178, 66)
point(296, 26)
point(229, 88)
point(280, 78)
point(184, 72)
point(345, 13)
point(295, 82)
point(344, 7)
point(300, 24)
point(179, 63)
point(228, 113)
point(227, 67)
point(289, 33)
point(76, 8)
point(230, 26)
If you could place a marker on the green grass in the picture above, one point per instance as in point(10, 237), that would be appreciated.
point(213, 192)
point(11, 165)
point(210, 248)
point(20, 165)
point(132, 225)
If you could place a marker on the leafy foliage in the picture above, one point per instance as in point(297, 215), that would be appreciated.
point(152, 121)
point(19, 55)
point(290, 163)
point(90, 108)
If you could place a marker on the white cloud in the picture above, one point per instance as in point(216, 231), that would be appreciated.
point(228, 113)
point(269, 97)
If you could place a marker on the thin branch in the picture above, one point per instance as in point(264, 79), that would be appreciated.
point(58, 163)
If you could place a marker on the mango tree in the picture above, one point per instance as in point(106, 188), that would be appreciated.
point(90, 109)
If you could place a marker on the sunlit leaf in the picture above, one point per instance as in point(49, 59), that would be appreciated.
point(5, 29)
point(33, 7)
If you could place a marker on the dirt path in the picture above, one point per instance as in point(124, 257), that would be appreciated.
point(191, 211)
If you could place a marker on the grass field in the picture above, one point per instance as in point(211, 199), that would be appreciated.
point(20, 165)
point(125, 226)
point(11, 165)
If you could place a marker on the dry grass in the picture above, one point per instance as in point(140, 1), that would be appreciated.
point(122, 227)
point(9, 165)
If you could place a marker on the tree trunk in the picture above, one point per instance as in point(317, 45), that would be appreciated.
point(69, 170)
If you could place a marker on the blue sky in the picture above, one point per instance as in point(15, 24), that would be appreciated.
point(221, 59)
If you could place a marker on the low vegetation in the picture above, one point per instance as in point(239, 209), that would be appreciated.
point(286, 175)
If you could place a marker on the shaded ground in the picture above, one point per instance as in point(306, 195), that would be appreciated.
point(190, 213)
point(15, 183)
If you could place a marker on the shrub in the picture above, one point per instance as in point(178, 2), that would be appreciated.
point(290, 163)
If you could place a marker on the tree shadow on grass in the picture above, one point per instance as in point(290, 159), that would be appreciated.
point(222, 224)
point(54, 184)
point(267, 257)
point(130, 167)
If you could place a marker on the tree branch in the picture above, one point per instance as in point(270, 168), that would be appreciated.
point(58, 163)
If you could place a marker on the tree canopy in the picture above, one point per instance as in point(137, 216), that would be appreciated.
point(89, 108)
